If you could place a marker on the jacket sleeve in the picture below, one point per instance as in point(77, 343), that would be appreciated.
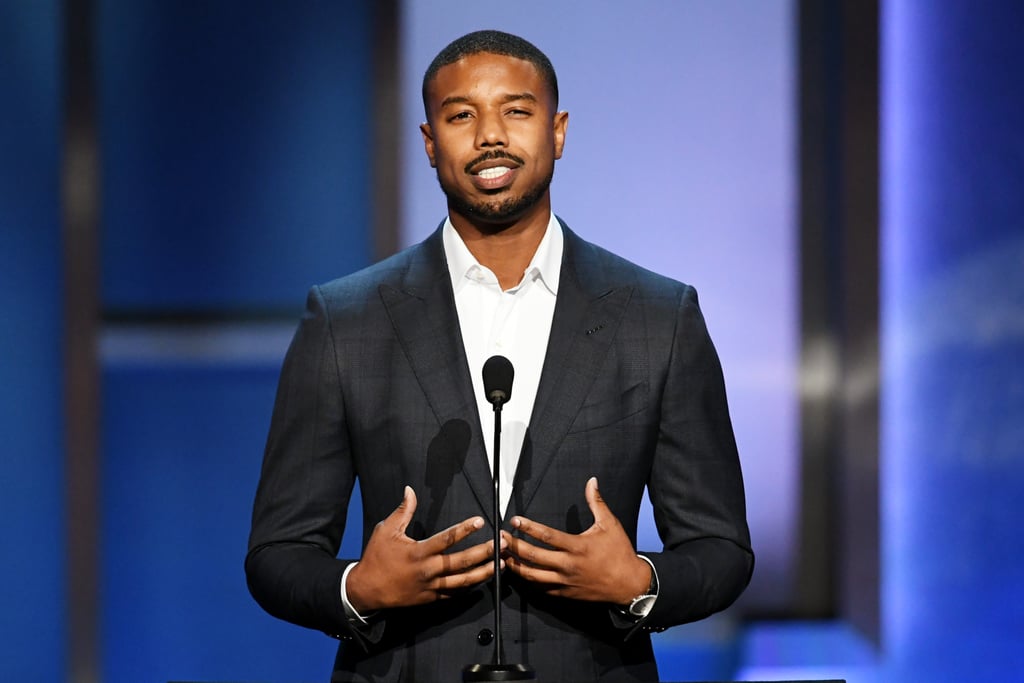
point(305, 485)
point(695, 485)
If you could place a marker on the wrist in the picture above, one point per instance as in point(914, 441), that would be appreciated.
point(642, 602)
point(359, 596)
point(641, 582)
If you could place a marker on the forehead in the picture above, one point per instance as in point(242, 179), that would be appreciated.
point(485, 75)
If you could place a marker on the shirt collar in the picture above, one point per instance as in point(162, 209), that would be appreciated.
point(545, 266)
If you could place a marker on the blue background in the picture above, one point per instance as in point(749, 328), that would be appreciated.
point(234, 173)
point(31, 344)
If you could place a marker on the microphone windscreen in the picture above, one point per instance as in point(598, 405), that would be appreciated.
point(498, 374)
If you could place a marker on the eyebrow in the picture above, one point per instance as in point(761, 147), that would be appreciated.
point(511, 97)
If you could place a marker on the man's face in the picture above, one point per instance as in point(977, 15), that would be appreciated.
point(493, 135)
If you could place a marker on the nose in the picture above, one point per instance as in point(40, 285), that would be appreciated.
point(491, 130)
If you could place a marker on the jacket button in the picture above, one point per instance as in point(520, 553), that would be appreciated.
point(485, 637)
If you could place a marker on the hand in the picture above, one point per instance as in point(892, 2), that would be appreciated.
point(600, 564)
point(396, 571)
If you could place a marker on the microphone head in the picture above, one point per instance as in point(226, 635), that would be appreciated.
point(498, 375)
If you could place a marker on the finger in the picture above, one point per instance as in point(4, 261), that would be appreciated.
point(598, 508)
point(555, 560)
point(536, 574)
point(544, 534)
point(402, 516)
point(445, 539)
point(466, 560)
point(465, 569)
point(452, 583)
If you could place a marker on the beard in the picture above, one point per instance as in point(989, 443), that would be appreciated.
point(497, 210)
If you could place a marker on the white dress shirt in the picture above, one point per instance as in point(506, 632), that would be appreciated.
point(514, 323)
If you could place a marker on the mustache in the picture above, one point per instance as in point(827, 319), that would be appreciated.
point(490, 156)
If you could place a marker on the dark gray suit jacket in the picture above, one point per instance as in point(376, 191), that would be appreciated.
point(375, 386)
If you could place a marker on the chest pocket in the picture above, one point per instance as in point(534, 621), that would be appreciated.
point(612, 410)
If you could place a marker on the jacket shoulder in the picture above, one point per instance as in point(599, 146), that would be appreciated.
point(356, 289)
point(593, 261)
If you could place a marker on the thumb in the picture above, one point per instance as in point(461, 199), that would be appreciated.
point(595, 502)
point(405, 510)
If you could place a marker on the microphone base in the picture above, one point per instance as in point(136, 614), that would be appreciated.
point(498, 672)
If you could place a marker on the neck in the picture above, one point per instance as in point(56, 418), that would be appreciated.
point(505, 250)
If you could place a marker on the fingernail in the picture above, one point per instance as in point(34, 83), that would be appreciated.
point(478, 522)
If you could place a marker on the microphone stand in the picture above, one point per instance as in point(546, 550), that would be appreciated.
point(497, 671)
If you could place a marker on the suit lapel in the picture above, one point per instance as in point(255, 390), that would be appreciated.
point(588, 310)
point(423, 314)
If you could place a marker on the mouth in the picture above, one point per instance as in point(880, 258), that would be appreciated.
point(492, 160)
point(493, 170)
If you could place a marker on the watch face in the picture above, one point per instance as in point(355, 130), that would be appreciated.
point(641, 606)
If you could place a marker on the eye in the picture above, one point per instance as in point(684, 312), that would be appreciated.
point(519, 112)
point(460, 116)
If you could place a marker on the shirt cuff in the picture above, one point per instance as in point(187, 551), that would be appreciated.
point(350, 611)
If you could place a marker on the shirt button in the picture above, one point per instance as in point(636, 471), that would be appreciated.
point(485, 637)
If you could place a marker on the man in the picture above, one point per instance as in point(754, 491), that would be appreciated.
point(617, 387)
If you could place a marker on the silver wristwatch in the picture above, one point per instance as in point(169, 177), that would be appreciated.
point(641, 605)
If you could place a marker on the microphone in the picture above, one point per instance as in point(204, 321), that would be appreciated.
point(498, 374)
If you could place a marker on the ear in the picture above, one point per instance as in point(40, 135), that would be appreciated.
point(428, 143)
point(560, 124)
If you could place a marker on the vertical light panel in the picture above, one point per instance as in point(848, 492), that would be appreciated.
point(953, 344)
point(32, 634)
point(33, 638)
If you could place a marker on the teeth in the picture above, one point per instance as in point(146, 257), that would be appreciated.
point(496, 172)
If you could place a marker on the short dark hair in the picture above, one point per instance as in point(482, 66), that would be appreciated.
point(495, 43)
